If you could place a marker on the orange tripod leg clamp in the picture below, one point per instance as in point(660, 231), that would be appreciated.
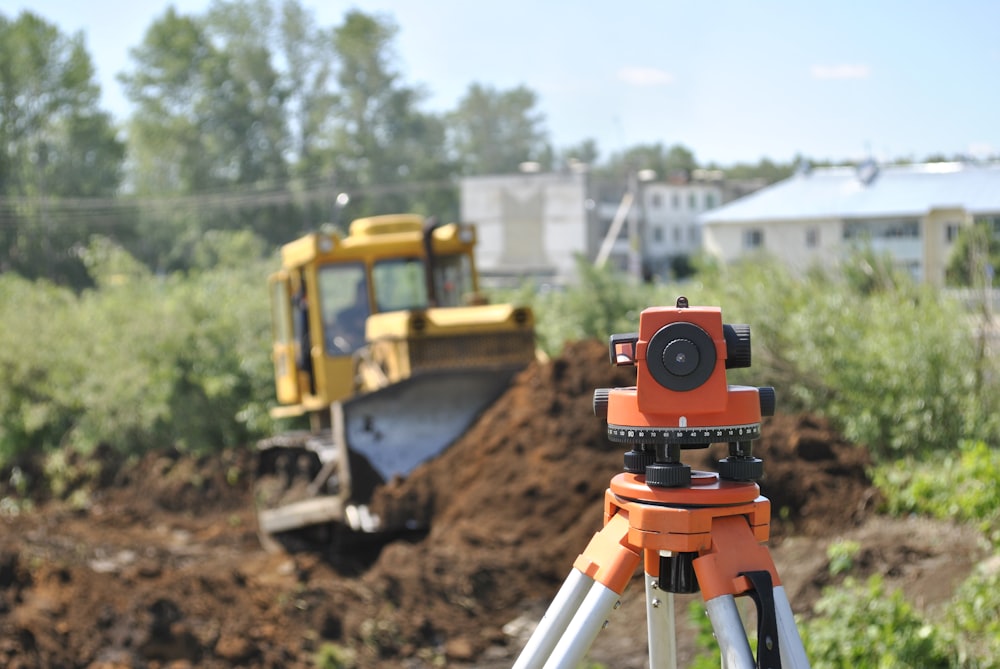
point(734, 551)
point(609, 559)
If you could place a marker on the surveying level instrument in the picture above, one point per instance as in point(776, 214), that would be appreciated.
point(692, 530)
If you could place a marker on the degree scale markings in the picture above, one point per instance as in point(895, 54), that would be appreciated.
point(700, 435)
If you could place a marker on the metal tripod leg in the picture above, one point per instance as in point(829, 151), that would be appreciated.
point(729, 633)
point(793, 653)
point(555, 621)
point(584, 602)
point(732, 640)
point(661, 627)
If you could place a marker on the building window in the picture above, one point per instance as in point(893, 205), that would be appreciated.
point(812, 238)
point(677, 235)
point(657, 233)
point(693, 201)
point(675, 201)
point(882, 229)
point(753, 238)
point(709, 200)
point(951, 232)
point(656, 201)
point(693, 234)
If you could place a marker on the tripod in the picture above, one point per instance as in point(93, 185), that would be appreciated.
point(715, 528)
point(692, 530)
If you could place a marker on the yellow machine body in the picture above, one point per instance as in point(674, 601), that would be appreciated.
point(387, 326)
point(403, 333)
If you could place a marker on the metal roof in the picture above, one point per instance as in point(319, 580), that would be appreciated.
point(892, 191)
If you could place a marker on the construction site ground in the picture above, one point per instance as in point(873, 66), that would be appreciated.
point(162, 567)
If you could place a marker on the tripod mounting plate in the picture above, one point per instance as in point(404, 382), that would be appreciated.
point(706, 489)
point(681, 519)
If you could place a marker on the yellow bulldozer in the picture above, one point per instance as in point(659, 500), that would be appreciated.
point(383, 340)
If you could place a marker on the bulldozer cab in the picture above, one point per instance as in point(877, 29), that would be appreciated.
point(329, 287)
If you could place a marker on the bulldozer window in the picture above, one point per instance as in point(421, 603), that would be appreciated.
point(400, 284)
point(453, 279)
point(344, 302)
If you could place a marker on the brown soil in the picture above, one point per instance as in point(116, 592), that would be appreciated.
point(163, 568)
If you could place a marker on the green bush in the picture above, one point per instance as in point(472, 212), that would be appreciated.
point(974, 617)
point(963, 484)
point(138, 363)
point(863, 625)
point(892, 363)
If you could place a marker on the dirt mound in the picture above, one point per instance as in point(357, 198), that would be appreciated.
point(163, 569)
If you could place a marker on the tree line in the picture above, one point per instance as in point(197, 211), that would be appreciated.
point(249, 116)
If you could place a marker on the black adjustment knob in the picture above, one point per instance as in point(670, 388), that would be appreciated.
point(737, 345)
point(601, 396)
point(768, 400)
point(638, 459)
point(741, 469)
point(668, 475)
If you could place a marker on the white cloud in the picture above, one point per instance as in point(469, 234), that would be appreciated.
point(844, 71)
point(645, 76)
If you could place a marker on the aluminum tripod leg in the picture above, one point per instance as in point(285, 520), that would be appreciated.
point(570, 625)
point(733, 644)
point(660, 625)
point(584, 601)
point(555, 621)
point(793, 653)
point(583, 628)
point(729, 633)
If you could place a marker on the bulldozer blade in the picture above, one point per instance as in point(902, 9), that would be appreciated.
point(401, 426)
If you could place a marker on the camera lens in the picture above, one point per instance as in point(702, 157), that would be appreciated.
point(681, 357)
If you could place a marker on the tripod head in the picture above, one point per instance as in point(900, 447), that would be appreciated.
point(682, 399)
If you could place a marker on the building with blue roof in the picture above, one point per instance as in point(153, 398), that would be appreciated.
point(912, 212)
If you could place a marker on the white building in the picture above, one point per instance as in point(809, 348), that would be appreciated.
point(912, 212)
point(671, 212)
point(537, 224)
point(529, 225)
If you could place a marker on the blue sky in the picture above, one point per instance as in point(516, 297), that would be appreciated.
point(732, 81)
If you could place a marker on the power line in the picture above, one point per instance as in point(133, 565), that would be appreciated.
point(115, 211)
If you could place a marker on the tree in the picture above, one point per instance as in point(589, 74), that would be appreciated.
point(493, 132)
point(54, 143)
point(308, 82)
point(657, 157)
point(209, 119)
point(974, 257)
point(584, 152)
point(208, 102)
point(766, 169)
point(384, 148)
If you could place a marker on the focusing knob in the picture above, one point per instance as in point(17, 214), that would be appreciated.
point(601, 402)
point(768, 400)
point(737, 345)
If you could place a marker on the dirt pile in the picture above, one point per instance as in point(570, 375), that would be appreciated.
point(164, 569)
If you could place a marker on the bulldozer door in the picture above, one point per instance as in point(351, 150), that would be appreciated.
point(283, 347)
point(346, 306)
